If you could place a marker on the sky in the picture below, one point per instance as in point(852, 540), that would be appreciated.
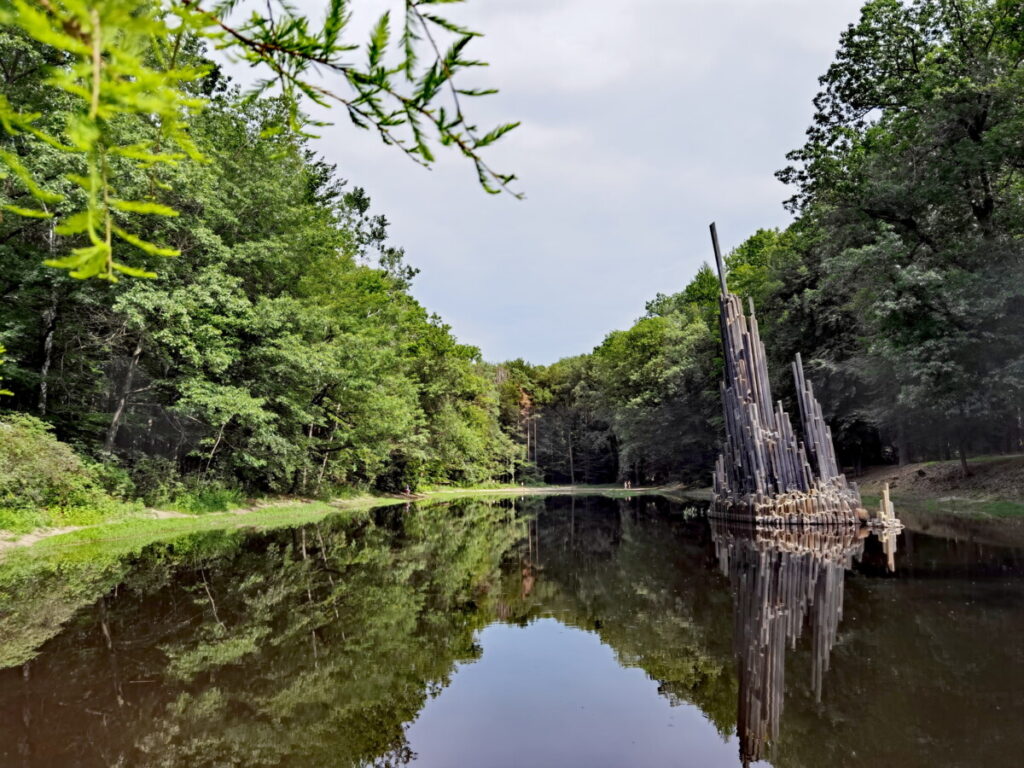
point(642, 121)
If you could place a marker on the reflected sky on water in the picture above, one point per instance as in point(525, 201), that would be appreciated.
point(565, 631)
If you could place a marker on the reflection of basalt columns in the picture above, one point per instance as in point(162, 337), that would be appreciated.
point(781, 579)
point(766, 473)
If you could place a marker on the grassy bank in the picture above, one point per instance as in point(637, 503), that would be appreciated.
point(994, 487)
point(135, 527)
point(955, 507)
point(142, 526)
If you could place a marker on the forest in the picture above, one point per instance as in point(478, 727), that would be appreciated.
point(263, 337)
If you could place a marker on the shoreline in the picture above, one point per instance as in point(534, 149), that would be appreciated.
point(154, 524)
point(950, 516)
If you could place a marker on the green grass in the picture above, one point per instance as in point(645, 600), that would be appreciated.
point(959, 506)
point(132, 534)
point(975, 459)
point(208, 500)
point(504, 491)
point(136, 530)
point(435, 488)
point(28, 520)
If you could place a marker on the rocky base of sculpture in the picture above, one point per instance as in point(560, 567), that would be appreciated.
point(835, 506)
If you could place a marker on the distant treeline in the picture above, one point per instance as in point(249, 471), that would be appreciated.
point(901, 280)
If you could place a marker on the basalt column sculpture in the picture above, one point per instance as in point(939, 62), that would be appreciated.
point(767, 473)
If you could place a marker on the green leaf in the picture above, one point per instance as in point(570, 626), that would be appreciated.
point(74, 224)
point(83, 132)
point(85, 262)
point(38, 25)
point(492, 136)
point(144, 245)
point(450, 25)
point(32, 213)
point(141, 153)
point(379, 38)
point(133, 271)
point(138, 206)
point(12, 162)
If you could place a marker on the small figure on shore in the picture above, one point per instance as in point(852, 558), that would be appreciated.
point(408, 492)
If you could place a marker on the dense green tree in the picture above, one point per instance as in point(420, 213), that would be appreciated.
point(912, 173)
point(280, 349)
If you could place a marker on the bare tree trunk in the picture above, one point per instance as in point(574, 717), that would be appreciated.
point(572, 469)
point(527, 425)
point(535, 452)
point(305, 467)
point(115, 667)
point(323, 469)
point(963, 459)
point(572, 524)
point(50, 325)
point(25, 740)
point(115, 420)
point(216, 445)
point(901, 444)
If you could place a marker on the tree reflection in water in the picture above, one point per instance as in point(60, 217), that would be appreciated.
point(782, 580)
point(318, 645)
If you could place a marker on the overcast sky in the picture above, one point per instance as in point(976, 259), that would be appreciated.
point(643, 120)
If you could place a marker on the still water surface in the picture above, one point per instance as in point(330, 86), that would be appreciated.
point(561, 632)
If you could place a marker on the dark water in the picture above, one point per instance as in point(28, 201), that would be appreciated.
point(558, 632)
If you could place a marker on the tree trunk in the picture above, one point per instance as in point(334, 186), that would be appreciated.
point(115, 420)
point(49, 325)
point(963, 459)
point(25, 741)
point(901, 444)
point(526, 423)
point(323, 465)
point(309, 440)
point(216, 445)
point(572, 469)
point(115, 667)
point(572, 523)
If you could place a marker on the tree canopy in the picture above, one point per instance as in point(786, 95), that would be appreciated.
point(125, 75)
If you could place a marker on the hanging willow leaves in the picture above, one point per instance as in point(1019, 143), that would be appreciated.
point(112, 74)
point(119, 64)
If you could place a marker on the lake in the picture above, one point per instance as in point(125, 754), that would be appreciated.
point(561, 631)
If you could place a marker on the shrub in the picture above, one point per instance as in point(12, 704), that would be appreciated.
point(44, 482)
point(160, 484)
point(157, 480)
point(208, 497)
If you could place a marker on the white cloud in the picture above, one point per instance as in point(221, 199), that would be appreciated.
point(642, 121)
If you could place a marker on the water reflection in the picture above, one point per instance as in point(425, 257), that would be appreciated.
point(782, 580)
point(319, 645)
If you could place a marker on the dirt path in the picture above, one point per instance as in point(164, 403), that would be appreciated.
point(28, 539)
